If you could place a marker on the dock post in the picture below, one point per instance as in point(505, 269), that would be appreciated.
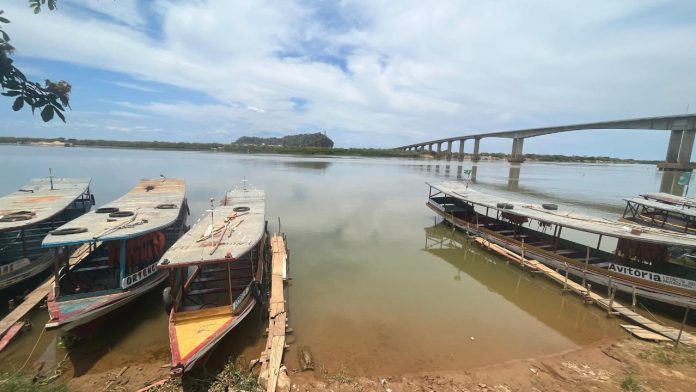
point(681, 329)
point(584, 271)
point(523, 263)
point(565, 282)
point(633, 299)
point(611, 301)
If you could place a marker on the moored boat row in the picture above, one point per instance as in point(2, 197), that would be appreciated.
point(104, 259)
point(645, 261)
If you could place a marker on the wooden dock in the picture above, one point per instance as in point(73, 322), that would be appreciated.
point(36, 296)
point(610, 305)
point(272, 357)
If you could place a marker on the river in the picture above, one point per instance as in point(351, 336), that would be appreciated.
point(375, 288)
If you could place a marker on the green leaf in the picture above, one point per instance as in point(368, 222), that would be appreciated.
point(11, 93)
point(5, 36)
point(60, 115)
point(3, 20)
point(47, 113)
point(18, 104)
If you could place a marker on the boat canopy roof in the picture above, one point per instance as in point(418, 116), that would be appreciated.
point(670, 199)
point(567, 218)
point(676, 209)
point(36, 201)
point(150, 206)
point(234, 229)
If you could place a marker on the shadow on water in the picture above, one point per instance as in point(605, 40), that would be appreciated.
point(535, 296)
point(110, 331)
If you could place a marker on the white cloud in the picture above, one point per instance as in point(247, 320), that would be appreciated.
point(416, 70)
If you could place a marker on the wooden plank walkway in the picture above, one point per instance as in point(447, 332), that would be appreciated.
point(611, 306)
point(272, 356)
point(38, 294)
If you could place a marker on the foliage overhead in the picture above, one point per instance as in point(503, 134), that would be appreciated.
point(303, 140)
point(50, 98)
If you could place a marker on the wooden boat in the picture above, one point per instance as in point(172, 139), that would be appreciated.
point(120, 244)
point(27, 215)
point(215, 276)
point(642, 261)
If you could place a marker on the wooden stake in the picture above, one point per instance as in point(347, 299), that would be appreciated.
point(565, 282)
point(584, 271)
point(633, 300)
point(681, 329)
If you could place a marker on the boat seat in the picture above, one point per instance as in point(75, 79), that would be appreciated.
point(214, 290)
point(219, 278)
point(98, 267)
point(224, 269)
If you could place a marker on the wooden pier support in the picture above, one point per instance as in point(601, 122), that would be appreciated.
point(272, 357)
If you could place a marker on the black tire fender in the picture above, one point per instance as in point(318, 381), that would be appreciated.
point(167, 299)
point(550, 206)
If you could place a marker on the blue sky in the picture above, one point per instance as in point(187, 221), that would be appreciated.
point(370, 73)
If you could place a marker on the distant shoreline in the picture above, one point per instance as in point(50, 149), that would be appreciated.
point(306, 151)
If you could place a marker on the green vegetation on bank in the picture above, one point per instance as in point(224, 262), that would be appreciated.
point(302, 140)
point(24, 383)
point(299, 150)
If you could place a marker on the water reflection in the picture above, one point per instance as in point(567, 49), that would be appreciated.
point(314, 165)
point(536, 297)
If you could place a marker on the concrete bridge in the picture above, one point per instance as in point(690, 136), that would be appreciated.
point(681, 140)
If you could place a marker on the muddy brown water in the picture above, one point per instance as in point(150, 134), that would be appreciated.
point(376, 287)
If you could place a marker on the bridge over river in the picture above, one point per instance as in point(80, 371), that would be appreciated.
point(678, 157)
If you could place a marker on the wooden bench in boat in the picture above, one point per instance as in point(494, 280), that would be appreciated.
point(219, 278)
point(214, 290)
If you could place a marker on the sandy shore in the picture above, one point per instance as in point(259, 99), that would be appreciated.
point(609, 365)
point(626, 364)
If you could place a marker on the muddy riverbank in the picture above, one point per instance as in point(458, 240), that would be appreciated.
point(609, 365)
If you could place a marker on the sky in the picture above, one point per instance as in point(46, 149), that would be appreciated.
point(370, 73)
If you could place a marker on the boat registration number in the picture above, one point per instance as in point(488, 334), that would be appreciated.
point(653, 276)
point(130, 280)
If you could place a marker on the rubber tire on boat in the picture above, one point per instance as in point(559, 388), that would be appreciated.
point(169, 206)
point(121, 214)
point(505, 206)
point(241, 209)
point(549, 206)
point(256, 292)
point(106, 210)
point(17, 216)
point(69, 230)
point(167, 299)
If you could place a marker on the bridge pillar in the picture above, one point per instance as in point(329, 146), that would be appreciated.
point(516, 155)
point(460, 157)
point(475, 157)
point(449, 150)
point(431, 147)
point(687, 147)
point(439, 150)
point(679, 149)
